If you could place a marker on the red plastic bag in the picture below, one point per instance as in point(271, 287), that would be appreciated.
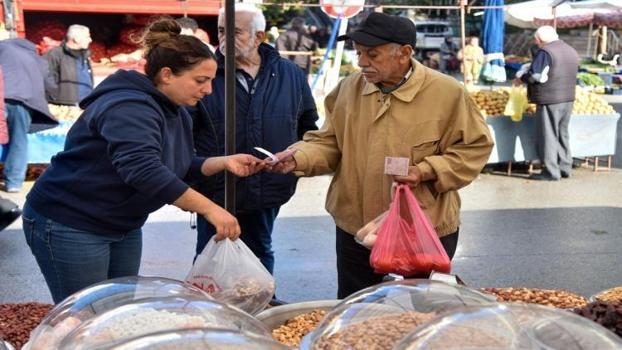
point(407, 243)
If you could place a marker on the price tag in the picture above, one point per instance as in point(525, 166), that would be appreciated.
point(396, 166)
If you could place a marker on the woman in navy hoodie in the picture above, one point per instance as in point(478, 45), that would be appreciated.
point(124, 158)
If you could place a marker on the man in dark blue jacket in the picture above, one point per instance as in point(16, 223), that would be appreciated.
point(25, 78)
point(70, 67)
point(274, 108)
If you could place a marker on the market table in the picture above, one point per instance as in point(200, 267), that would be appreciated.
point(590, 136)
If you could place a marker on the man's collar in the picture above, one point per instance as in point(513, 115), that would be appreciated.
point(409, 89)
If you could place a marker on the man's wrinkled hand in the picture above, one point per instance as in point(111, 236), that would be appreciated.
point(412, 179)
point(243, 165)
point(286, 163)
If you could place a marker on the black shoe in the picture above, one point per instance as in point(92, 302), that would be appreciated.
point(565, 175)
point(9, 217)
point(542, 177)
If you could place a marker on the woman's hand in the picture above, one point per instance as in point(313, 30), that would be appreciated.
point(243, 165)
point(226, 224)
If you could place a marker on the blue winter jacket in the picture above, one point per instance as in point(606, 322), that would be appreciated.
point(276, 112)
point(124, 158)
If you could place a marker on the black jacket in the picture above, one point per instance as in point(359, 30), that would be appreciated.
point(63, 70)
point(275, 114)
point(25, 77)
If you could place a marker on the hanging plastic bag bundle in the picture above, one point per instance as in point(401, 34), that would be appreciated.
point(517, 103)
point(407, 243)
point(231, 273)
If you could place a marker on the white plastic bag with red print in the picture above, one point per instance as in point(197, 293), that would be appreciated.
point(230, 272)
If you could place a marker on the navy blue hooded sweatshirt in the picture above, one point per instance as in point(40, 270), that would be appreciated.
point(124, 158)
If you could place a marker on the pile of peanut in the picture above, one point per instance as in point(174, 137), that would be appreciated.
point(18, 320)
point(549, 297)
point(612, 296)
point(377, 333)
point(294, 329)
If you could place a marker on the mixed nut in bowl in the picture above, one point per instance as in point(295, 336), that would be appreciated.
point(159, 315)
point(380, 316)
point(510, 326)
point(290, 323)
point(560, 299)
point(101, 297)
point(611, 295)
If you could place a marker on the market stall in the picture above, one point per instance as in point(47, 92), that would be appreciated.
point(592, 127)
point(153, 312)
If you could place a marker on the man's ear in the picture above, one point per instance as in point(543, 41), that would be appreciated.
point(407, 51)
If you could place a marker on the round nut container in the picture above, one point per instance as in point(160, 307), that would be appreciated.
point(379, 316)
point(101, 297)
point(200, 339)
point(159, 315)
point(510, 326)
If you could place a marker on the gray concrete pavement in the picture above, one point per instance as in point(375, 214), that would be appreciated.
point(514, 232)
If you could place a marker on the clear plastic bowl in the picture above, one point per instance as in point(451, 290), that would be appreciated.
point(159, 315)
point(200, 339)
point(101, 297)
point(510, 326)
point(379, 316)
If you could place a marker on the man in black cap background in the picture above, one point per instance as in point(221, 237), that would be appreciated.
point(394, 107)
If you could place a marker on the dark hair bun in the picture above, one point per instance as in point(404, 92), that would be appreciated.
point(159, 33)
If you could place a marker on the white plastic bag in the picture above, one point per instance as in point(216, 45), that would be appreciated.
point(367, 235)
point(231, 273)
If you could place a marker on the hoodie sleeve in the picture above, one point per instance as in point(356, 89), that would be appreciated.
point(134, 136)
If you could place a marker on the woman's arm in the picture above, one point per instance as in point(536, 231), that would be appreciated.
point(241, 165)
point(226, 224)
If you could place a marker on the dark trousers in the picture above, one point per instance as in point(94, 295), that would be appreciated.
point(256, 233)
point(553, 139)
point(353, 270)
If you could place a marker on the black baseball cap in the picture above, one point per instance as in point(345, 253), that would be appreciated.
point(380, 28)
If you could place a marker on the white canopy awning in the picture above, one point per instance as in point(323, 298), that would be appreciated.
point(597, 4)
point(523, 14)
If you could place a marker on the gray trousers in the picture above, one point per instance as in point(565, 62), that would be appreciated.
point(552, 137)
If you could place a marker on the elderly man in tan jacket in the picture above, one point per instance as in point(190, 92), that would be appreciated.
point(399, 108)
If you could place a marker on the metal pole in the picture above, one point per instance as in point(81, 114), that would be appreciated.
point(230, 101)
point(462, 31)
point(603, 39)
point(589, 39)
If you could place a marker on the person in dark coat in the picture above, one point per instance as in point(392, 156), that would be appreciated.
point(25, 77)
point(129, 154)
point(274, 108)
point(70, 67)
point(297, 38)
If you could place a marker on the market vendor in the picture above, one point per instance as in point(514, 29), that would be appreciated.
point(124, 158)
point(394, 107)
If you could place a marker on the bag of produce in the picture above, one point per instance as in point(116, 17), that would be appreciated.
point(230, 272)
point(517, 104)
point(407, 243)
point(368, 234)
